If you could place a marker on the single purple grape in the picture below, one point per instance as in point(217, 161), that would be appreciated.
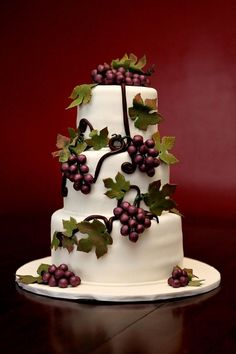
point(124, 230)
point(125, 205)
point(156, 162)
point(132, 223)
point(143, 167)
point(68, 274)
point(132, 210)
point(124, 218)
point(85, 188)
point(138, 140)
point(138, 159)
point(100, 68)
point(52, 268)
point(110, 75)
point(136, 82)
point(98, 78)
point(52, 281)
point(128, 74)
point(94, 72)
point(176, 283)
point(63, 283)
point(63, 267)
point(84, 169)
point(128, 81)
point(77, 186)
point(140, 217)
point(121, 70)
point(73, 168)
point(82, 159)
point(143, 149)
point(132, 150)
point(88, 178)
point(78, 177)
point(150, 143)
point(153, 152)
point(59, 273)
point(133, 236)
point(64, 167)
point(147, 223)
point(119, 79)
point(183, 281)
point(150, 172)
point(117, 211)
point(140, 228)
point(75, 280)
point(149, 161)
point(46, 276)
point(72, 159)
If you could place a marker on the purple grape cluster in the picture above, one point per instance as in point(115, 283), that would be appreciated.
point(106, 75)
point(76, 170)
point(60, 276)
point(179, 278)
point(144, 154)
point(134, 220)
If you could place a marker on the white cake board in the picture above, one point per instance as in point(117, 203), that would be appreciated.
point(149, 291)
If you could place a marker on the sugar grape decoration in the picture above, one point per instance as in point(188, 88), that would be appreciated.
point(144, 156)
point(128, 70)
point(77, 171)
point(181, 277)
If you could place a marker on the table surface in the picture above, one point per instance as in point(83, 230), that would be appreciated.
point(200, 324)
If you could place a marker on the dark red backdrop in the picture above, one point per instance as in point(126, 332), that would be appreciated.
point(47, 47)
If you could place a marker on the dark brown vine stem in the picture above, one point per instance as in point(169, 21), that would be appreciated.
point(125, 114)
point(123, 147)
point(83, 124)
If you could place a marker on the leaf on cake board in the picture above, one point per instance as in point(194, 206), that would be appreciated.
point(117, 188)
point(29, 279)
point(98, 140)
point(163, 145)
point(81, 94)
point(144, 113)
point(158, 199)
point(98, 237)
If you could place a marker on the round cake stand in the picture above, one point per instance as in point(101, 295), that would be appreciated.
point(137, 292)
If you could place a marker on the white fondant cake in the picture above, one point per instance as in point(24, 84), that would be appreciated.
point(159, 247)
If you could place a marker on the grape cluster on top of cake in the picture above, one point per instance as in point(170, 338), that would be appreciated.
point(127, 70)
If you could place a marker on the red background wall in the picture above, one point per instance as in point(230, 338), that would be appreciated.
point(47, 47)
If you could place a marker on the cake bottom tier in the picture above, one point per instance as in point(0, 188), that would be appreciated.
point(151, 258)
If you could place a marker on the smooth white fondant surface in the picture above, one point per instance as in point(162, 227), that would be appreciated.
point(159, 290)
point(151, 258)
point(105, 108)
point(96, 202)
point(160, 247)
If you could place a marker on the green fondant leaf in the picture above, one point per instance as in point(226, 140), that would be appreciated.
point(81, 94)
point(70, 226)
point(42, 268)
point(55, 241)
point(68, 243)
point(117, 188)
point(98, 237)
point(158, 199)
point(163, 145)
point(78, 148)
point(144, 113)
point(98, 139)
point(28, 279)
point(130, 62)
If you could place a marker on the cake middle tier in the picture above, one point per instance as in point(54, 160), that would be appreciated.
point(96, 202)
